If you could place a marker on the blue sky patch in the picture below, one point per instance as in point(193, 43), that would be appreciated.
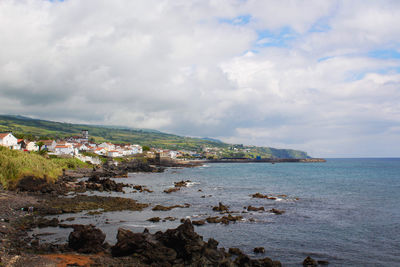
point(384, 54)
point(268, 38)
point(239, 20)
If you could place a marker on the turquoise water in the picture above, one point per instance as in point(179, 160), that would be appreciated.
point(347, 210)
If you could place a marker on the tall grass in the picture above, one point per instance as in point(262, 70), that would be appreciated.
point(15, 164)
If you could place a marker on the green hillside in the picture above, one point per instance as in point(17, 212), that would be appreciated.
point(34, 129)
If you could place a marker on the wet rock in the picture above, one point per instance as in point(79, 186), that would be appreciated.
point(166, 208)
point(82, 202)
point(235, 251)
point(259, 250)
point(322, 262)
point(169, 218)
point(277, 212)
point(43, 222)
point(251, 208)
point(98, 184)
point(154, 219)
point(86, 239)
point(310, 262)
point(213, 219)
point(182, 183)
point(221, 207)
point(199, 222)
point(259, 195)
point(172, 189)
point(224, 219)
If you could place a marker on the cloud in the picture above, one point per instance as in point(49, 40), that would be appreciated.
point(322, 76)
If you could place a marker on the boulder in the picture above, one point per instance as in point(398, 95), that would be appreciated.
point(221, 207)
point(277, 212)
point(172, 189)
point(86, 239)
point(235, 251)
point(310, 262)
point(259, 250)
point(199, 222)
point(251, 208)
point(154, 219)
point(179, 247)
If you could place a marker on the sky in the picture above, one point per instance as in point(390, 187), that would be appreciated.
point(319, 76)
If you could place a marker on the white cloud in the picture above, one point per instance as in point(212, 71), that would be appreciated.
point(174, 66)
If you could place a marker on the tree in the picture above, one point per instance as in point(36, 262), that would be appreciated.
point(40, 144)
point(145, 148)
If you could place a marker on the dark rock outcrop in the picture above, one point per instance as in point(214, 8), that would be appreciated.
point(251, 208)
point(166, 208)
point(106, 184)
point(259, 250)
point(221, 207)
point(199, 222)
point(181, 247)
point(276, 211)
point(86, 239)
point(154, 219)
point(172, 189)
point(310, 262)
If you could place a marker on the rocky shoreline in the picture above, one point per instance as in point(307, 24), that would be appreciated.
point(25, 209)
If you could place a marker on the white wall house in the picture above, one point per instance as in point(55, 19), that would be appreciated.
point(114, 153)
point(31, 146)
point(107, 146)
point(173, 154)
point(48, 144)
point(81, 147)
point(137, 149)
point(9, 140)
point(100, 151)
point(64, 150)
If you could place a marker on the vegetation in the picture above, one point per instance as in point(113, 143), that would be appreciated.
point(15, 164)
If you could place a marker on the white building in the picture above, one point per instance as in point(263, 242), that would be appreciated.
point(114, 153)
point(64, 150)
point(107, 146)
point(48, 144)
point(100, 151)
point(9, 140)
point(32, 146)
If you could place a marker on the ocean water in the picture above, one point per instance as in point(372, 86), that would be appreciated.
point(345, 211)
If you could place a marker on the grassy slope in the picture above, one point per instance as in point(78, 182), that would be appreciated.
point(15, 164)
point(42, 128)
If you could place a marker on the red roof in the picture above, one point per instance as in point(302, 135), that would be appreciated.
point(2, 135)
point(62, 146)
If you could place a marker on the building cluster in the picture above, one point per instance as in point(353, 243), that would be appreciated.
point(70, 146)
point(77, 145)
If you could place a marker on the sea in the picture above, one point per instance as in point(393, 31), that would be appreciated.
point(344, 211)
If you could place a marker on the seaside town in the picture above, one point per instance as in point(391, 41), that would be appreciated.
point(81, 147)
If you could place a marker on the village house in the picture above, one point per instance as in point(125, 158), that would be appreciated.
point(48, 145)
point(9, 140)
point(107, 146)
point(114, 153)
point(100, 151)
point(64, 150)
point(81, 147)
point(32, 146)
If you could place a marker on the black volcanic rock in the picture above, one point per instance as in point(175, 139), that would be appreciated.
point(86, 239)
point(181, 247)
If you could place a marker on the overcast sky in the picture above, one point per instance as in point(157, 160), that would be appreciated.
point(320, 76)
